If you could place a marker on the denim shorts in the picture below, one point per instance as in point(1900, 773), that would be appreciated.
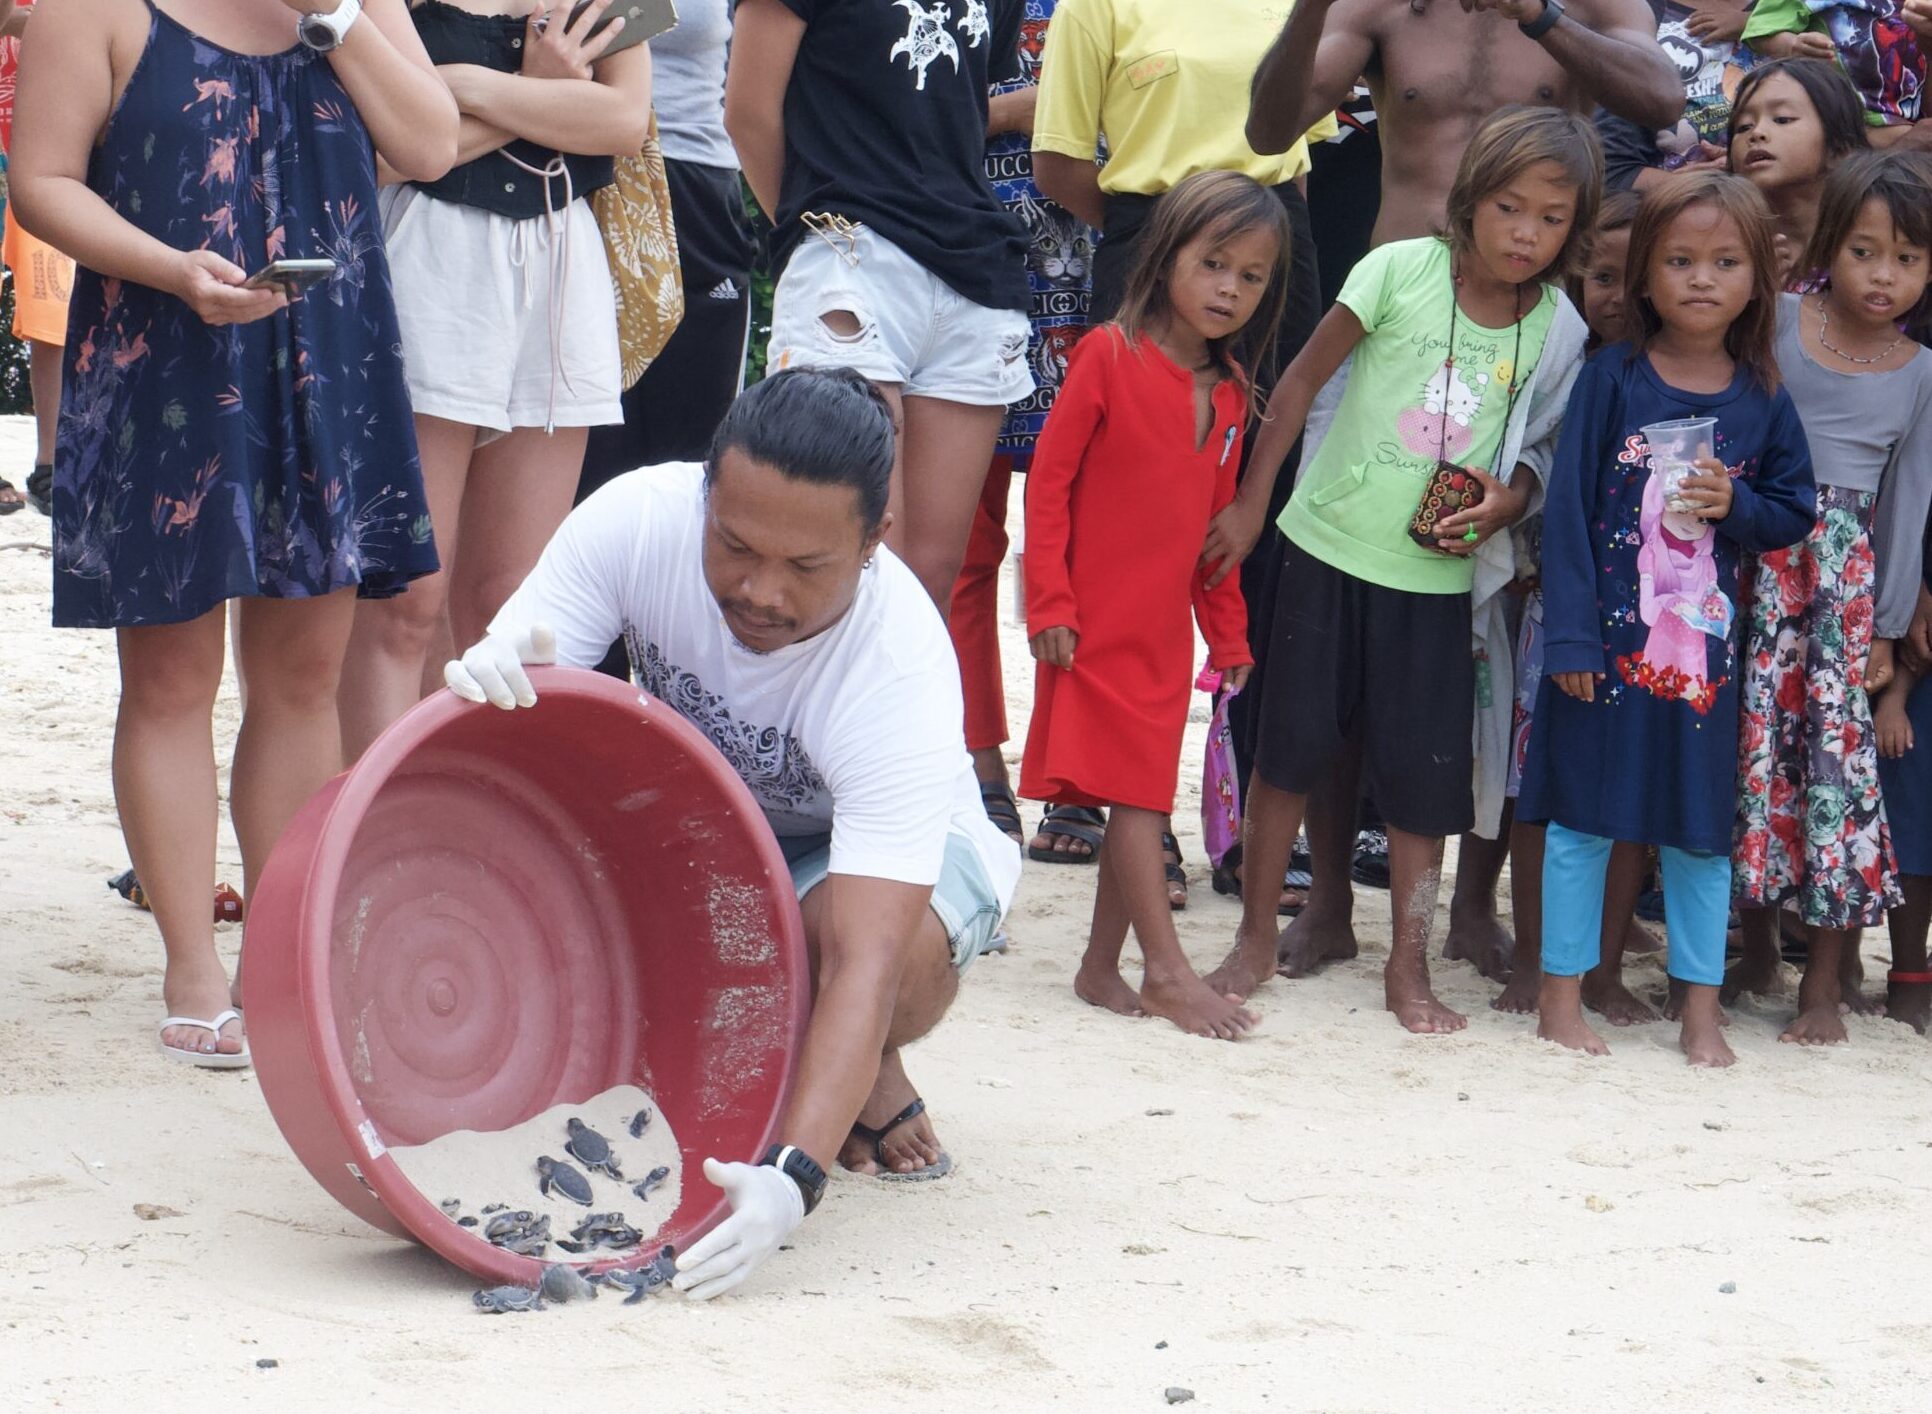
point(964, 900)
point(913, 329)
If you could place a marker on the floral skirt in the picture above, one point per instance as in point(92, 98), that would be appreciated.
point(1811, 825)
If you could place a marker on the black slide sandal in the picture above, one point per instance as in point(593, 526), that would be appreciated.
point(1002, 809)
point(1073, 822)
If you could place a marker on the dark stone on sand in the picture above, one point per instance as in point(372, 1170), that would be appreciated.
point(1728, 1289)
point(1160, 1345)
point(1177, 1395)
point(266, 1364)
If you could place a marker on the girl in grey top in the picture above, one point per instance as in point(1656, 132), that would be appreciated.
point(1812, 829)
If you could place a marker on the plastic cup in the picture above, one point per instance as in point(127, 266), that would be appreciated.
point(1673, 447)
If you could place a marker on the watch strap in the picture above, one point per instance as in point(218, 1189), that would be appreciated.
point(801, 1169)
point(323, 31)
point(1543, 23)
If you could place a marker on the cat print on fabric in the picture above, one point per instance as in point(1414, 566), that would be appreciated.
point(1444, 425)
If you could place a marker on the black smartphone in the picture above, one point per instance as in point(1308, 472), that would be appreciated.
point(643, 19)
point(291, 277)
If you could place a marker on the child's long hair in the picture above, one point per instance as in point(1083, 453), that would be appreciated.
point(1513, 140)
point(1900, 179)
point(1221, 206)
point(1751, 339)
point(1841, 112)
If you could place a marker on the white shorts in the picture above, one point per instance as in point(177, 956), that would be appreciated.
point(914, 329)
point(473, 297)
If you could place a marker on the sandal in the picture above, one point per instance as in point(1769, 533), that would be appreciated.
point(1176, 876)
point(1002, 809)
point(1227, 878)
point(207, 1060)
point(228, 903)
point(1072, 822)
point(877, 1138)
point(40, 488)
point(10, 498)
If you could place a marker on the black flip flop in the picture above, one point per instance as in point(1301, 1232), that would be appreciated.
point(1002, 809)
point(877, 1138)
point(17, 503)
point(40, 489)
point(1175, 874)
point(1073, 822)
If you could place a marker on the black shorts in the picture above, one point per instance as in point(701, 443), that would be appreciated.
point(1351, 662)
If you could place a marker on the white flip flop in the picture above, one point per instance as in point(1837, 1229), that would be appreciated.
point(207, 1060)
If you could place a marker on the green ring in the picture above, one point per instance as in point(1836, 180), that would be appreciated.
point(1469, 536)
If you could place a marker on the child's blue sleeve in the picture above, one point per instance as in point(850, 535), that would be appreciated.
point(1573, 632)
point(1780, 506)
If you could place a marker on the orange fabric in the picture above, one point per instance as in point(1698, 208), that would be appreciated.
point(42, 280)
point(1118, 501)
point(975, 618)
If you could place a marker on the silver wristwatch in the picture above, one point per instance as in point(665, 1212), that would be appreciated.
point(323, 32)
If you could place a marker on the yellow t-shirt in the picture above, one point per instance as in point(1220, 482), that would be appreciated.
point(1167, 83)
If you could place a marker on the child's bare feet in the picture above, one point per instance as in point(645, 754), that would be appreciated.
point(1324, 932)
point(1196, 1008)
point(1560, 1017)
point(1615, 1002)
point(1851, 984)
point(1476, 937)
point(1406, 993)
point(1821, 1025)
point(1103, 986)
point(1911, 1003)
point(1675, 996)
point(1246, 969)
point(1518, 998)
point(1702, 1037)
point(1754, 976)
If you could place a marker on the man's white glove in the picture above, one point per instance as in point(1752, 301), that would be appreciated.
point(766, 1206)
point(492, 670)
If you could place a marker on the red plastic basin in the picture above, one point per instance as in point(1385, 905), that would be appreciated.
point(498, 912)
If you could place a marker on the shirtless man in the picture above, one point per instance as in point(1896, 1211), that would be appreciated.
point(1436, 69)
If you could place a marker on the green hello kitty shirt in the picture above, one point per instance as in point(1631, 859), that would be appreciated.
point(1406, 403)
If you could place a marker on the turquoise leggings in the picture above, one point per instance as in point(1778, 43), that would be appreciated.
point(1697, 907)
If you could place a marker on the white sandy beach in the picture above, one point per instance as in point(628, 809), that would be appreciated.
point(1332, 1215)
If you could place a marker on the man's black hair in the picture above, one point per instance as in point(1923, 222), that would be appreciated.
point(828, 426)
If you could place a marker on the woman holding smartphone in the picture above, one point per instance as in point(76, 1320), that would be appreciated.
point(509, 322)
point(218, 442)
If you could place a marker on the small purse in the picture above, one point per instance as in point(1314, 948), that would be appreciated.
point(634, 215)
point(1453, 488)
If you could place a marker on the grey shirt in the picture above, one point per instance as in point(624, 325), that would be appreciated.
point(687, 85)
point(1870, 432)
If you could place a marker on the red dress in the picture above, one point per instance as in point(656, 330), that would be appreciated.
point(1117, 507)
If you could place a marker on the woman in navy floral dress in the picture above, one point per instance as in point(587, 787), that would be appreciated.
point(216, 442)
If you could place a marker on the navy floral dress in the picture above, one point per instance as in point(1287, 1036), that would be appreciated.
point(198, 464)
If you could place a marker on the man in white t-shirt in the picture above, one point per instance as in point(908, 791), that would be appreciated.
point(755, 597)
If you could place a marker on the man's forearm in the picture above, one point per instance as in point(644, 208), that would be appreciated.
point(1282, 94)
point(1072, 182)
point(851, 1016)
point(1630, 76)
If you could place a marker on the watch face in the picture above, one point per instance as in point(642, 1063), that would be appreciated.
point(317, 32)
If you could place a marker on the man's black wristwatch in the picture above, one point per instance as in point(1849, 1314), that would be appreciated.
point(1543, 23)
point(798, 1166)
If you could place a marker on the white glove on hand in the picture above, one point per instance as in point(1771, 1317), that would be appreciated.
point(766, 1206)
point(492, 670)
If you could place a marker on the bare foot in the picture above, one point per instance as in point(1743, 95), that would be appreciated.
point(1751, 977)
point(1477, 938)
point(1519, 997)
point(1246, 969)
point(1637, 938)
point(1406, 992)
point(1674, 998)
point(1570, 1029)
point(1105, 987)
point(1196, 1008)
point(1819, 1025)
point(1704, 1044)
point(1851, 984)
point(1911, 1003)
point(908, 1147)
point(1614, 1002)
point(202, 992)
point(1322, 934)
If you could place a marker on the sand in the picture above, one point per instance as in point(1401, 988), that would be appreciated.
point(499, 1166)
point(1330, 1216)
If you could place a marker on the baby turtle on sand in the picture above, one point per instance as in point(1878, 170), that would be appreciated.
point(466, 1221)
point(564, 1178)
point(640, 1122)
point(496, 1300)
point(489, 1208)
point(602, 1230)
point(651, 1182)
point(563, 1283)
point(521, 1232)
point(591, 1149)
point(652, 1276)
point(451, 1207)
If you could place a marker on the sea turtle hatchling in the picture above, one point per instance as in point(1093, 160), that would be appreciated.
point(651, 1182)
point(640, 1122)
point(564, 1177)
point(562, 1283)
point(497, 1300)
point(521, 1232)
point(591, 1149)
point(451, 1207)
point(605, 1230)
point(652, 1276)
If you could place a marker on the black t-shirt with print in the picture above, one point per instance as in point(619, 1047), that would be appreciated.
point(885, 123)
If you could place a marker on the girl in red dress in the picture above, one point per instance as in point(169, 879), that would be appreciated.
point(1140, 452)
